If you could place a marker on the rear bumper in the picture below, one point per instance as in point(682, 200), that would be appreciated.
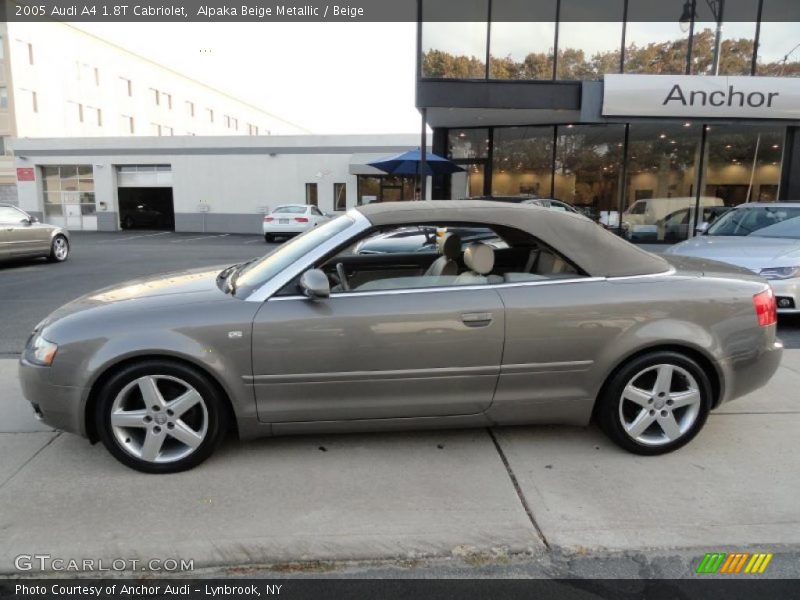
point(747, 374)
point(59, 406)
point(277, 228)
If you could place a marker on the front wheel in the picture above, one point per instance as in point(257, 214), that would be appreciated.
point(655, 403)
point(160, 417)
point(59, 249)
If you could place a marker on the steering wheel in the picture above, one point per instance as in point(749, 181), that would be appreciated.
point(340, 272)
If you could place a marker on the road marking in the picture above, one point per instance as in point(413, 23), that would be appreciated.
point(202, 237)
point(134, 237)
point(255, 241)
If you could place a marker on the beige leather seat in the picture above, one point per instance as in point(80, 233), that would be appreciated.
point(450, 250)
point(479, 259)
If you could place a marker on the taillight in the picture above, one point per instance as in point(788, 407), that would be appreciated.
point(766, 309)
point(301, 219)
point(268, 219)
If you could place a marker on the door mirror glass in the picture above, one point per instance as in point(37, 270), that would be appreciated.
point(315, 285)
point(702, 228)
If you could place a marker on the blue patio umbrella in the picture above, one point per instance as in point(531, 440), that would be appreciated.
point(410, 163)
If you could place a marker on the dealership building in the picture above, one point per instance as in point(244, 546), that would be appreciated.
point(220, 184)
point(615, 105)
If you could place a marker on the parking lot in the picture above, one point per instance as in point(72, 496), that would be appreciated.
point(481, 495)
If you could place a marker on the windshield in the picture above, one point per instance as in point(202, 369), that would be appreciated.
point(752, 220)
point(294, 210)
point(259, 272)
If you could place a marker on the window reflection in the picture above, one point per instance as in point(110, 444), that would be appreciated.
point(779, 42)
point(655, 42)
point(454, 49)
point(743, 164)
point(467, 143)
point(662, 162)
point(522, 39)
point(523, 162)
point(588, 167)
point(589, 38)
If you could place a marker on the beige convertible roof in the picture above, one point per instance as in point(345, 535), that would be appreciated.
point(595, 250)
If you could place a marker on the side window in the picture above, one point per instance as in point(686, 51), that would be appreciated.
point(431, 255)
point(316, 211)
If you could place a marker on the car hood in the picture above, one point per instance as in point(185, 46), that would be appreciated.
point(750, 252)
point(196, 285)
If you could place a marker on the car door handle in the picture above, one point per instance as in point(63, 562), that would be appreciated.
point(476, 319)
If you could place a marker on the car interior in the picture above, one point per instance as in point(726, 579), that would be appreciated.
point(510, 256)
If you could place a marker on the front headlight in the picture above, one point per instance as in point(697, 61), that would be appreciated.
point(779, 272)
point(40, 351)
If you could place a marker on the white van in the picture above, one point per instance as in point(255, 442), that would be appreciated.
point(640, 219)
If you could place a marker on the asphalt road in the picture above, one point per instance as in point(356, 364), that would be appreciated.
point(30, 290)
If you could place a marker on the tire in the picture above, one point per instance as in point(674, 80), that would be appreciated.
point(269, 238)
point(127, 223)
point(59, 249)
point(150, 439)
point(655, 403)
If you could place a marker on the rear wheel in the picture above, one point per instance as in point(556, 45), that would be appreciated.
point(655, 403)
point(269, 238)
point(160, 417)
point(59, 249)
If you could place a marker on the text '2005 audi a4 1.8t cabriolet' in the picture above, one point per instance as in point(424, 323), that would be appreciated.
point(560, 323)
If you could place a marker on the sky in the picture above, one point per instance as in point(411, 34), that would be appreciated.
point(327, 77)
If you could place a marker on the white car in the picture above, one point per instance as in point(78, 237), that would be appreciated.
point(291, 219)
point(763, 237)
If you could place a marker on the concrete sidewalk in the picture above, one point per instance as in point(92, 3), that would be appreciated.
point(408, 495)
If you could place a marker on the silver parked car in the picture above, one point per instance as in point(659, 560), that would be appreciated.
point(763, 237)
point(565, 322)
point(22, 236)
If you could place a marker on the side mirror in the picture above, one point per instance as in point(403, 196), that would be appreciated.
point(315, 284)
point(702, 228)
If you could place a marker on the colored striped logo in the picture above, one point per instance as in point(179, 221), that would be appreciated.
point(734, 563)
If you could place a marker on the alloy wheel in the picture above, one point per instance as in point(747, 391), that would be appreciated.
point(60, 248)
point(659, 404)
point(159, 419)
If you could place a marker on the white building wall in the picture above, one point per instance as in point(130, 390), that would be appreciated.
point(238, 179)
point(72, 72)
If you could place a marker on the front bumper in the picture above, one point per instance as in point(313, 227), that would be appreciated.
point(787, 291)
point(59, 406)
point(747, 374)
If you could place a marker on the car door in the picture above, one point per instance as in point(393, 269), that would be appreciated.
point(21, 237)
point(7, 214)
point(377, 355)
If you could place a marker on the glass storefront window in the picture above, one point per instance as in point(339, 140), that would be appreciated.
point(467, 143)
point(779, 43)
point(743, 163)
point(454, 49)
point(655, 41)
point(385, 188)
point(662, 167)
point(468, 184)
point(68, 194)
point(522, 39)
point(589, 40)
point(588, 168)
point(523, 161)
point(737, 37)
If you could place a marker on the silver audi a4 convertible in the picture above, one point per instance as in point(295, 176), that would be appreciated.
point(556, 321)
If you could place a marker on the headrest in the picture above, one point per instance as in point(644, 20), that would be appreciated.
point(449, 245)
point(479, 258)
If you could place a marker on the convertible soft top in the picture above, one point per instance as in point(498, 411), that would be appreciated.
point(595, 250)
